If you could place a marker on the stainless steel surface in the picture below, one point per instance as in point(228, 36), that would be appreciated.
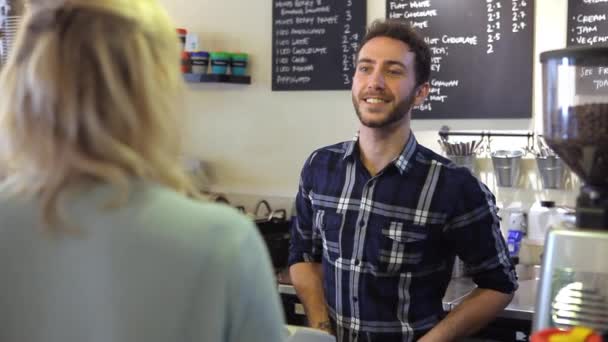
point(528, 272)
point(10, 16)
point(522, 305)
point(575, 271)
point(579, 305)
point(12, 7)
point(458, 270)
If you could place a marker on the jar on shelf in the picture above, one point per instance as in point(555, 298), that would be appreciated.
point(199, 62)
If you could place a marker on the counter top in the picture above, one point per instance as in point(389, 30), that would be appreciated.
point(524, 301)
point(522, 304)
point(521, 307)
point(456, 291)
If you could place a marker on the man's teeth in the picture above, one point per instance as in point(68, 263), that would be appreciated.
point(374, 100)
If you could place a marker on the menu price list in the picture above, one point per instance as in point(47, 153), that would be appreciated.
point(482, 55)
point(315, 43)
point(587, 22)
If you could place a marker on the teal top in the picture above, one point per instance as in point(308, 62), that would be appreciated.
point(161, 267)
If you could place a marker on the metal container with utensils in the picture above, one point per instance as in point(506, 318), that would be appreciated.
point(467, 161)
point(552, 172)
point(507, 165)
point(461, 153)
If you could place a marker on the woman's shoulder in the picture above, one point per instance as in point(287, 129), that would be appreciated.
point(221, 233)
point(196, 213)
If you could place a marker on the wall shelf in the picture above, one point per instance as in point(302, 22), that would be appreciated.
point(214, 78)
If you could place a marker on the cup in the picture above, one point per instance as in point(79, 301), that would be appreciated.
point(552, 172)
point(219, 62)
point(507, 165)
point(238, 64)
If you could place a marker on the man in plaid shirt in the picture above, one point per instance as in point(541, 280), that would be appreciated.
point(381, 218)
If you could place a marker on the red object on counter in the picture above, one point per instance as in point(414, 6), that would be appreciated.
point(182, 33)
point(547, 334)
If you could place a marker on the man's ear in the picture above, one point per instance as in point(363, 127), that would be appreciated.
point(421, 93)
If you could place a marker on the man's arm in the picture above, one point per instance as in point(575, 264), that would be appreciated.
point(307, 278)
point(306, 254)
point(474, 232)
point(477, 310)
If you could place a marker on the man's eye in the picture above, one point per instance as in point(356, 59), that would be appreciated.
point(395, 72)
point(363, 68)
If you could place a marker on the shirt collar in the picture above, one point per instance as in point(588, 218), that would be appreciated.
point(402, 162)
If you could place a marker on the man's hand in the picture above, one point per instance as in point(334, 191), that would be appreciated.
point(325, 326)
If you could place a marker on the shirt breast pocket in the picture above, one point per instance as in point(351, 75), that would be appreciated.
point(401, 247)
point(329, 225)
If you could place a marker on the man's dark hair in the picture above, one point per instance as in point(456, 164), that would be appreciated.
point(402, 31)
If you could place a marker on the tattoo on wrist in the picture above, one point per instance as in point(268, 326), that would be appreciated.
point(325, 325)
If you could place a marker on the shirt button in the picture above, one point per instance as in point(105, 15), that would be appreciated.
point(354, 334)
point(355, 299)
point(357, 262)
point(361, 223)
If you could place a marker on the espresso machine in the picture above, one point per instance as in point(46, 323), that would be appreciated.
point(11, 12)
point(573, 289)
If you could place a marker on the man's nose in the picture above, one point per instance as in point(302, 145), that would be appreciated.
point(376, 81)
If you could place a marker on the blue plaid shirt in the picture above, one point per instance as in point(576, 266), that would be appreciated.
point(387, 243)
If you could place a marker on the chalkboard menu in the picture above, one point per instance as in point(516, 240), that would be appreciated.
point(587, 22)
point(482, 56)
point(314, 43)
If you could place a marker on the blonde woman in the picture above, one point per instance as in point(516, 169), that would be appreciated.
point(100, 239)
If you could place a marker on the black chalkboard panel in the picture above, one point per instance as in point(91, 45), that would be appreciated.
point(482, 56)
point(314, 43)
point(587, 22)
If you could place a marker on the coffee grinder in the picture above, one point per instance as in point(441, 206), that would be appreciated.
point(573, 289)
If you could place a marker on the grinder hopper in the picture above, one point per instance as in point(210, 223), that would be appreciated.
point(575, 81)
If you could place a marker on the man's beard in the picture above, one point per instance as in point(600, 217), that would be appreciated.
point(397, 114)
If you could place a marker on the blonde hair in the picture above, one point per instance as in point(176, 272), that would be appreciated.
point(89, 94)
